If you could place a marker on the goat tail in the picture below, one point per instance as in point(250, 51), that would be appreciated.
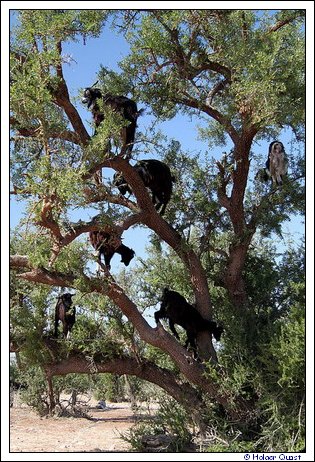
point(213, 327)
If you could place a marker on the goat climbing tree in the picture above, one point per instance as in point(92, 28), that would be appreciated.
point(241, 73)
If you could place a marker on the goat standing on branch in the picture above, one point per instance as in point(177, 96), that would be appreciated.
point(156, 176)
point(122, 105)
point(107, 244)
point(65, 313)
point(177, 310)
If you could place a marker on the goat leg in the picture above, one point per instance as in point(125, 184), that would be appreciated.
point(172, 327)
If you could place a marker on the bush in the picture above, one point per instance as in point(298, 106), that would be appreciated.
point(167, 431)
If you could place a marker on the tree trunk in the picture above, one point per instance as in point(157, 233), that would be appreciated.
point(51, 398)
point(243, 233)
point(233, 278)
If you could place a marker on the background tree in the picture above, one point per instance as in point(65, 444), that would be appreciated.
point(241, 73)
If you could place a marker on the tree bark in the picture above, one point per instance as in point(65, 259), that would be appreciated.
point(51, 397)
point(233, 278)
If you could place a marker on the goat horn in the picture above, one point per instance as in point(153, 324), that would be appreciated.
point(94, 84)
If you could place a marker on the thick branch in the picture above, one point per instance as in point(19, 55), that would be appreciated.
point(245, 27)
point(40, 275)
point(233, 278)
point(155, 222)
point(240, 175)
point(180, 391)
point(218, 88)
point(20, 261)
point(131, 221)
point(216, 67)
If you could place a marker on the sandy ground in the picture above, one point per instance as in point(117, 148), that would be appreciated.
point(100, 433)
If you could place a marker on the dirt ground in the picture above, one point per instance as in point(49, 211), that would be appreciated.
point(99, 433)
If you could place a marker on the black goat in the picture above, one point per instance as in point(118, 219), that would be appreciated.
point(65, 313)
point(177, 310)
point(122, 105)
point(107, 244)
point(156, 176)
point(277, 164)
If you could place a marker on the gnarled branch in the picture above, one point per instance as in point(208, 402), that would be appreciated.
point(181, 391)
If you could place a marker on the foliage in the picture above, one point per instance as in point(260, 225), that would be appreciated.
point(283, 400)
point(233, 39)
point(241, 72)
point(36, 393)
point(171, 420)
point(110, 387)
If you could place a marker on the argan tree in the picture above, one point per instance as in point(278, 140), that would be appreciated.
point(241, 73)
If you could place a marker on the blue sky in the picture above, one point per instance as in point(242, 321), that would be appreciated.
point(108, 50)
